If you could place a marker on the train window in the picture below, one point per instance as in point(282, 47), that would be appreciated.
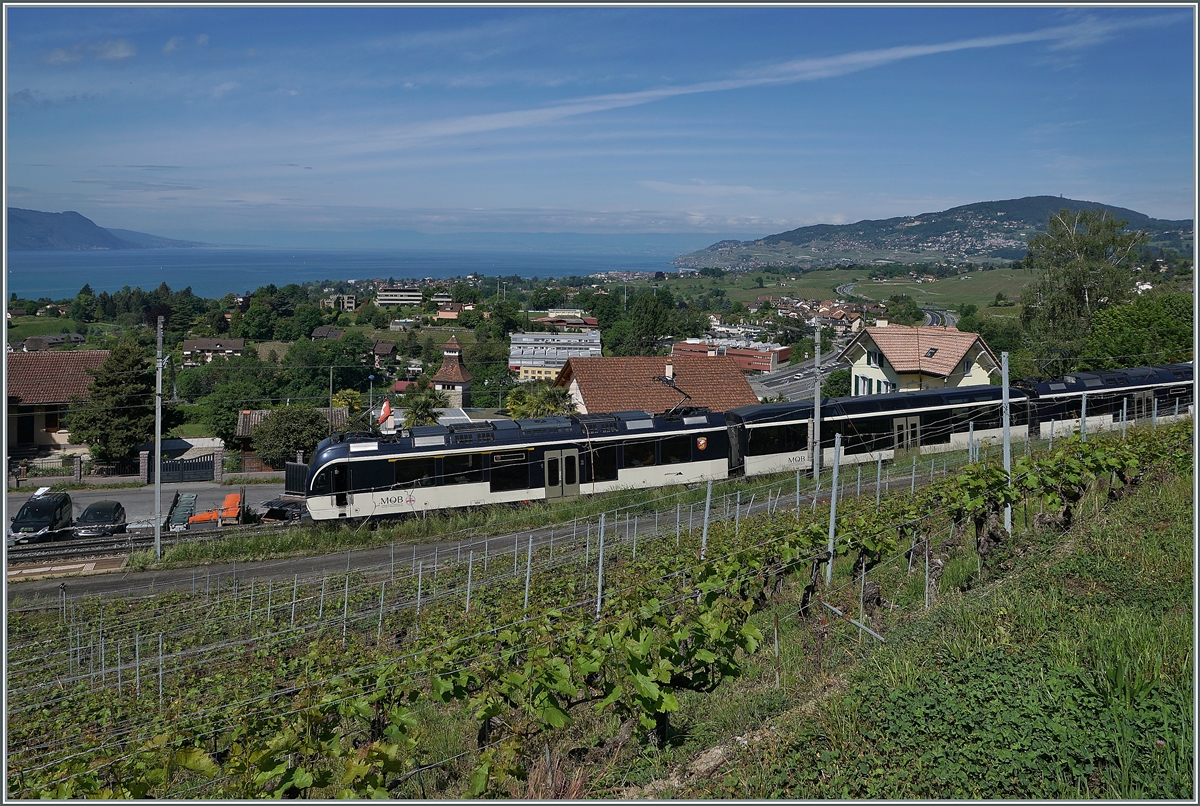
point(571, 470)
point(463, 468)
point(866, 435)
point(674, 450)
point(320, 485)
point(777, 439)
point(415, 472)
point(936, 426)
point(640, 453)
point(376, 475)
point(510, 471)
point(603, 463)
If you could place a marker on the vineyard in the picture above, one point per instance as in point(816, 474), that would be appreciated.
point(465, 678)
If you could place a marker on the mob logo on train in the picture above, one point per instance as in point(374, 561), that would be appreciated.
point(701, 443)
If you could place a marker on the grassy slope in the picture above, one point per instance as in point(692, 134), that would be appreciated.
point(980, 289)
point(1069, 677)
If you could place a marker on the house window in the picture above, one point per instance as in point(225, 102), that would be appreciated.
point(52, 420)
point(872, 358)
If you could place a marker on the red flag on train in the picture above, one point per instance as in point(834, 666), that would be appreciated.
point(387, 411)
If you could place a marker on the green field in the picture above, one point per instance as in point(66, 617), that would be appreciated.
point(22, 327)
point(980, 289)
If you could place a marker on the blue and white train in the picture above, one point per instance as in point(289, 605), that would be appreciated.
point(354, 476)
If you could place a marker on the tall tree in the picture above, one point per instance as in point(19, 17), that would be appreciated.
point(287, 430)
point(119, 412)
point(421, 408)
point(539, 399)
point(1085, 259)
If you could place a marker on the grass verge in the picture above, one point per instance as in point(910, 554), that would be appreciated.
point(1068, 676)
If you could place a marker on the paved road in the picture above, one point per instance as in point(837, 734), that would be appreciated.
point(139, 501)
point(794, 382)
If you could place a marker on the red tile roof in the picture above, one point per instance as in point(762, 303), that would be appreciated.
point(51, 377)
point(627, 383)
point(906, 348)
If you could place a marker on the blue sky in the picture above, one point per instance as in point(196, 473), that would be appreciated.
point(246, 125)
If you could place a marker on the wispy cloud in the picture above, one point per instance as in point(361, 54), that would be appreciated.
point(114, 50)
point(1085, 33)
point(703, 189)
point(223, 88)
point(172, 45)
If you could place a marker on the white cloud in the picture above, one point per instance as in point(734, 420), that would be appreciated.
point(65, 55)
point(172, 45)
point(113, 50)
point(202, 40)
point(223, 88)
point(699, 187)
point(1086, 32)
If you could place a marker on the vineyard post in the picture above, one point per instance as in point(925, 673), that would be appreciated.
point(797, 495)
point(1154, 415)
point(206, 586)
point(1176, 419)
point(912, 488)
point(251, 617)
point(816, 432)
point(1083, 419)
point(971, 441)
point(458, 554)
point(776, 650)
point(551, 546)
point(345, 608)
point(587, 546)
point(470, 568)
point(270, 588)
point(1004, 411)
point(887, 478)
point(295, 581)
point(379, 626)
point(878, 476)
point(1051, 447)
point(737, 516)
point(862, 597)
point(321, 609)
point(932, 461)
point(656, 521)
point(120, 676)
point(704, 535)
point(678, 508)
point(485, 552)
point(516, 549)
point(528, 569)
point(435, 564)
point(600, 569)
point(160, 668)
point(137, 665)
point(837, 453)
point(420, 580)
point(634, 557)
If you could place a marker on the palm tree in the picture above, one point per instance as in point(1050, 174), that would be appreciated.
point(421, 408)
point(539, 400)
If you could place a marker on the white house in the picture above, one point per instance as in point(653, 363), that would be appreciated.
point(896, 358)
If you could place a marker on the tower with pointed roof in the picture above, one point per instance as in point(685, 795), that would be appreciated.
point(453, 378)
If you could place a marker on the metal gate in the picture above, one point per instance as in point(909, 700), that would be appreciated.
point(199, 468)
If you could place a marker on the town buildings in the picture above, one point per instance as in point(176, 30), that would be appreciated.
point(202, 351)
point(750, 356)
point(39, 388)
point(540, 356)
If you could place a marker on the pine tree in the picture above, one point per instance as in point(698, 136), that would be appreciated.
point(119, 412)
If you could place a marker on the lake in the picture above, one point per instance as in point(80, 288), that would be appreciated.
point(216, 272)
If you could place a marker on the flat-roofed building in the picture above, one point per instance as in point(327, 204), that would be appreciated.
point(399, 296)
point(540, 356)
point(202, 351)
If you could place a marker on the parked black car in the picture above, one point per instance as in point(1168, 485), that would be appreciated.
point(101, 519)
point(42, 517)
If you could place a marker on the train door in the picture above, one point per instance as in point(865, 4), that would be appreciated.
point(1143, 405)
point(340, 485)
point(907, 432)
point(562, 473)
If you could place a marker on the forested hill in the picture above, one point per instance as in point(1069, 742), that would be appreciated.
point(996, 230)
point(33, 229)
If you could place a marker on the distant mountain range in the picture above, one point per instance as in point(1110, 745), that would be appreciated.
point(995, 231)
point(32, 229)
